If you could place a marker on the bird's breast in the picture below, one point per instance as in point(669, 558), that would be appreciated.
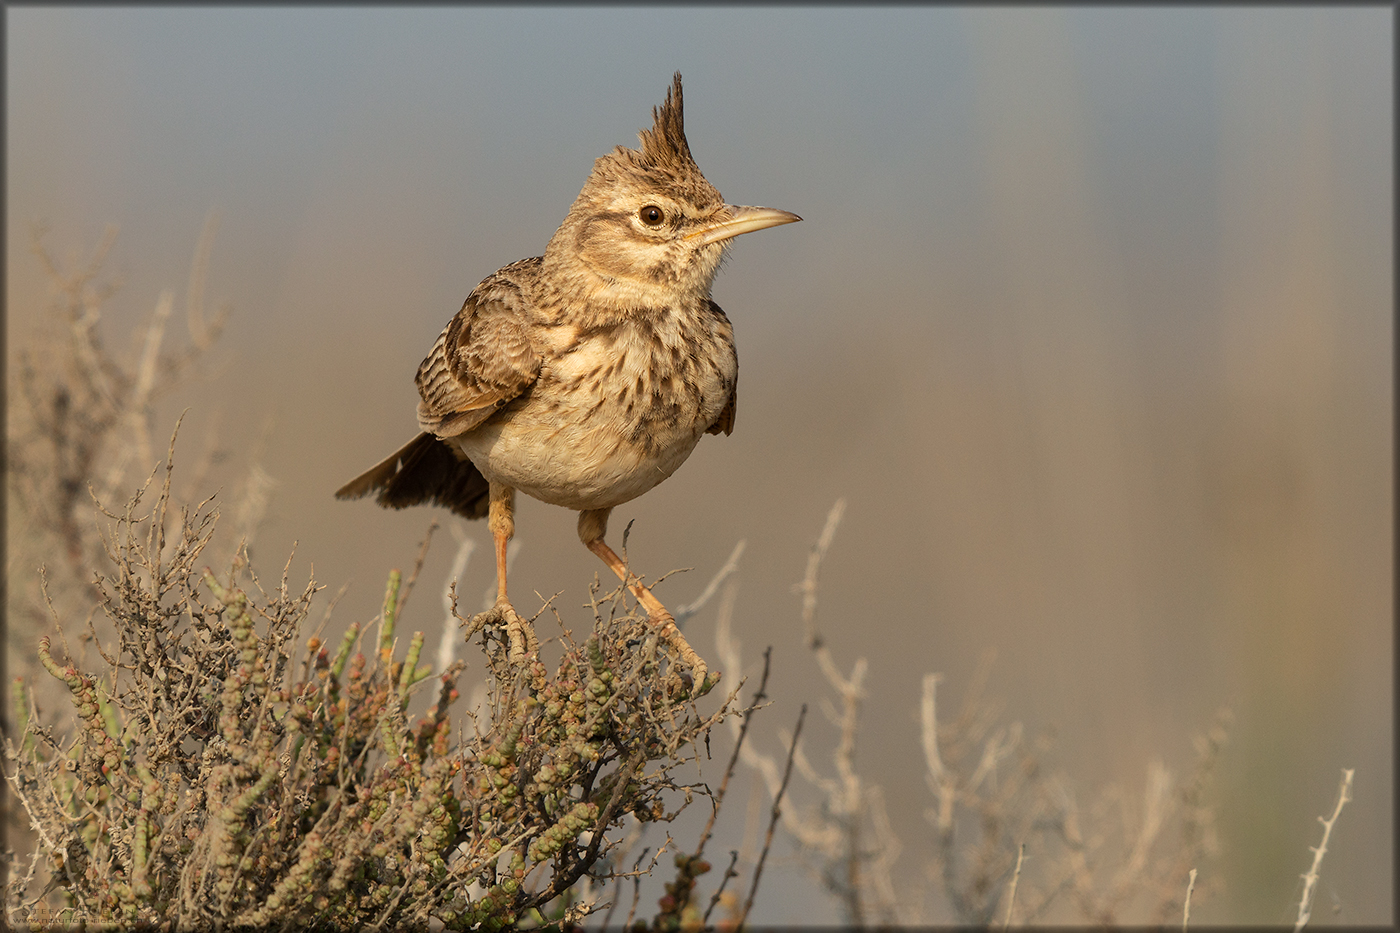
point(615, 411)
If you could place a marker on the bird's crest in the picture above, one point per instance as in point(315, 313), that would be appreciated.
point(662, 164)
point(664, 145)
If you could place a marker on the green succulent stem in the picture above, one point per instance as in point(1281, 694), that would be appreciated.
point(342, 652)
point(390, 617)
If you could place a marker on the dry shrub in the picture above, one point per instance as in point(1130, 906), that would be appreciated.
point(80, 413)
point(1011, 843)
point(217, 775)
point(80, 408)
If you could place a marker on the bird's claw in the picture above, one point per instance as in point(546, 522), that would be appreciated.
point(702, 681)
point(521, 643)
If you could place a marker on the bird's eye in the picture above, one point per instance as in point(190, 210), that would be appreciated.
point(651, 215)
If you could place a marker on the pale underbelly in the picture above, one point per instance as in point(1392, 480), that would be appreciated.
point(580, 464)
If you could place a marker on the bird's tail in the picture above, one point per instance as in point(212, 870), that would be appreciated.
point(425, 471)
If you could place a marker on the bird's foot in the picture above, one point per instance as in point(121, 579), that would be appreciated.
point(702, 680)
point(521, 643)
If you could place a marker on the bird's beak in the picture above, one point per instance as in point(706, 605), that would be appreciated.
point(735, 219)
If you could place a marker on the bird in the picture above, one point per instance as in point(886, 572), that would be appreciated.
point(586, 376)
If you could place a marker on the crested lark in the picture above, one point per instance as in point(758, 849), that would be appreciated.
point(586, 376)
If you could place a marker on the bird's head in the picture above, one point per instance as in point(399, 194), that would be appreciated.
point(647, 226)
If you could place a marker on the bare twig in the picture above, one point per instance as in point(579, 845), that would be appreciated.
point(757, 703)
point(773, 816)
point(447, 643)
point(808, 586)
point(418, 562)
point(729, 873)
point(1015, 880)
point(202, 332)
point(1318, 851)
point(1186, 907)
point(682, 613)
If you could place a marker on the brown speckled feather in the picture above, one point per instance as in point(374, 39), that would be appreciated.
point(483, 358)
point(724, 424)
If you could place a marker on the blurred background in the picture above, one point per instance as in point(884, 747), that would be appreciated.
point(1090, 321)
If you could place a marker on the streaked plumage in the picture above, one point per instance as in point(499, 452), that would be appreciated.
point(586, 376)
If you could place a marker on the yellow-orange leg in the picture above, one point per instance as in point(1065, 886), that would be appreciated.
point(592, 526)
point(501, 520)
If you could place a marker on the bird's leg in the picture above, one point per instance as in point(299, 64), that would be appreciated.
point(592, 526)
point(501, 520)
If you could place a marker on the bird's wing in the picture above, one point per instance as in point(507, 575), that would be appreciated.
point(483, 358)
point(724, 424)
